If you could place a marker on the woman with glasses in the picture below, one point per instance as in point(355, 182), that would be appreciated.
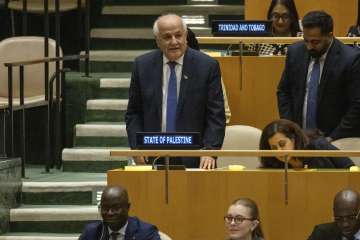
point(286, 135)
point(242, 221)
point(285, 23)
point(284, 17)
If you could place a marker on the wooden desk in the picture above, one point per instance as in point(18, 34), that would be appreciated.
point(198, 200)
point(251, 84)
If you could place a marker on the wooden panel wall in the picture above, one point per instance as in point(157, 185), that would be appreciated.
point(251, 84)
point(198, 200)
point(344, 12)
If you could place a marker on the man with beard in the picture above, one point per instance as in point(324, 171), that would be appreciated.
point(320, 85)
point(116, 224)
point(347, 220)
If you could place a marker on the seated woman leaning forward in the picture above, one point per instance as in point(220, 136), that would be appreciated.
point(286, 135)
point(242, 221)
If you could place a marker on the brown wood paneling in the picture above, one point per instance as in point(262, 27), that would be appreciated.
point(198, 200)
point(344, 12)
point(251, 84)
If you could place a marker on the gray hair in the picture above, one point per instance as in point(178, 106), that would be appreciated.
point(156, 27)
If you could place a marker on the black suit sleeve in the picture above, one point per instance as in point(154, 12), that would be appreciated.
point(134, 114)
point(328, 231)
point(317, 234)
point(215, 122)
point(151, 234)
point(284, 93)
point(338, 162)
point(351, 120)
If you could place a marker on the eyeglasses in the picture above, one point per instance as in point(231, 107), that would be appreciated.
point(349, 218)
point(276, 16)
point(236, 219)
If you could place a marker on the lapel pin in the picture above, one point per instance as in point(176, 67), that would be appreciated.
point(186, 77)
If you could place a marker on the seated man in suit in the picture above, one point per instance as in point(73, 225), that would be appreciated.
point(347, 219)
point(116, 224)
point(176, 89)
point(320, 85)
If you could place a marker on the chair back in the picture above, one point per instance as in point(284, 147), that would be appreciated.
point(240, 137)
point(349, 144)
point(164, 236)
point(37, 6)
point(24, 49)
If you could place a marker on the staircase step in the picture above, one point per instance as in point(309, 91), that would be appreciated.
point(107, 104)
point(122, 44)
point(115, 82)
point(125, 21)
point(233, 2)
point(91, 160)
point(204, 9)
point(51, 213)
point(138, 33)
point(101, 142)
point(65, 193)
point(130, 38)
point(116, 56)
point(144, 2)
point(114, 88)
point(100, 130)
point(112, 61)
point(38, 236)
point(55, 218)
point(113, 116)
point(111, 110)
point(110, 113)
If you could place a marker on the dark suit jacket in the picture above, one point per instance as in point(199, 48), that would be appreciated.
point(325, 162)
point(338, 101)
point(326, 231)
point(200, 103)
point(136, 230)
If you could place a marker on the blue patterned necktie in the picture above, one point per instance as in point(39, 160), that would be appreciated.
point(313, 85)
point(171, 100)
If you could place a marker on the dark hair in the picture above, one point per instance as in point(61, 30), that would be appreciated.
point(319, 19)
point(294, 17)
point(290, 130)
point(192, 42)
point(254, 211)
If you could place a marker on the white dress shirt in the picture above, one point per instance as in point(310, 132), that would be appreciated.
point(357, 235)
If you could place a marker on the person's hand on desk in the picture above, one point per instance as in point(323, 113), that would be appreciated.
point(139, 160)
point(207, 162)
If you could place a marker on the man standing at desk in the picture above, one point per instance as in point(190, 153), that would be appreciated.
point(347, 219)
point(176, 89)
point(320, 86)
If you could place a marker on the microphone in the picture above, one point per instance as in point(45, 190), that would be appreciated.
point(154, 162)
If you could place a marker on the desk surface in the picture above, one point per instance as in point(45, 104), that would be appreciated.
point(198, 200)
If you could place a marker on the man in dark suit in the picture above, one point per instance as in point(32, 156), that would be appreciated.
point(347, 220)
point(176, 89)
point(116, 224)
point(320, 85)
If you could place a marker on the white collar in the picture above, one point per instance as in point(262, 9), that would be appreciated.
point(357, 235)
point(121, 231)
point(180, 60)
